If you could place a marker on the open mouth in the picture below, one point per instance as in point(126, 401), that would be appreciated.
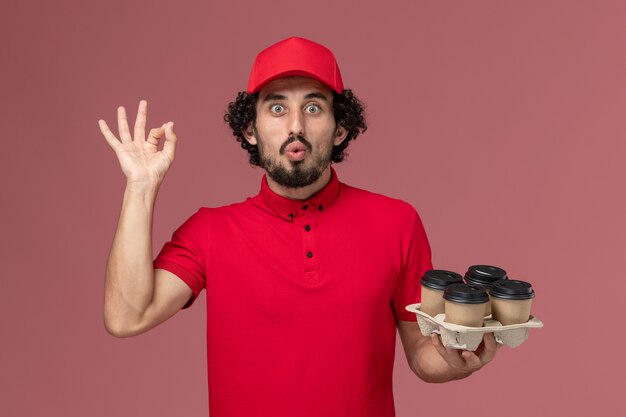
point(296, 151)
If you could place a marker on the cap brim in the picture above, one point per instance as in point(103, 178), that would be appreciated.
point(291, 73)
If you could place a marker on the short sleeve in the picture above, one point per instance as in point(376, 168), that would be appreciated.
point(185, 255)
point(417, 260)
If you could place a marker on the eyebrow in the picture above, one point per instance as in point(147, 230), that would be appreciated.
point(270, 97)
point(274, 97)
point(316, 95)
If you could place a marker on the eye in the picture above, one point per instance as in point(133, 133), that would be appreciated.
point(312, 108)
point(277, 108)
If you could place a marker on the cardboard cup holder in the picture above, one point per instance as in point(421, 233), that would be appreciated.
point(468, 338)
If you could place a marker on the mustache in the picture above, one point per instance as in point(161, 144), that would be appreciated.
point(292, 139)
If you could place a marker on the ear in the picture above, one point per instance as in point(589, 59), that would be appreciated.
point(340, 134)
point(250, 135)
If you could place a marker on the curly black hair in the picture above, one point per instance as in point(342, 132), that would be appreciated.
point(347, 109)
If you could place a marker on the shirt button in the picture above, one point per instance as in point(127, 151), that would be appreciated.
point(320, 207)
point(304, 207)
point(309, 254)
point(307, 228)
point(290, 215)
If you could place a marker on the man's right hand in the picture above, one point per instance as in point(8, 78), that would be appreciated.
point(140, 158)
point(136, 296)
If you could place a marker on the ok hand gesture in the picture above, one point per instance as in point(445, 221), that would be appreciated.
point(140, 158)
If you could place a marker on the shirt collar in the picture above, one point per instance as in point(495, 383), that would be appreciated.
point(289, 209)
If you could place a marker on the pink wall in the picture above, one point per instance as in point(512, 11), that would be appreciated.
point(502, 122)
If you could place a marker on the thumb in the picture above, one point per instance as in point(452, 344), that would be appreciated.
point(169, 147)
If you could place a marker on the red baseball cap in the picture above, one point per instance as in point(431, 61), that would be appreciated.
point(295, 56)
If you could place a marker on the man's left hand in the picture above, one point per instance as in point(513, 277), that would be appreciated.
point(467, 361)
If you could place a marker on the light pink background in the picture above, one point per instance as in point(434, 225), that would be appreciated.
point(502, 122)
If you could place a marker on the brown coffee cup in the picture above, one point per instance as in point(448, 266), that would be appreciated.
point(511, 301)
point(465, 304)
point(484, 276)
point(434, 282)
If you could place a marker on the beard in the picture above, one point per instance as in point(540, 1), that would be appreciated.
point(296, 174)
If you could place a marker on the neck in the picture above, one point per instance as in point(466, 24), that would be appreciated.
point(300, 193)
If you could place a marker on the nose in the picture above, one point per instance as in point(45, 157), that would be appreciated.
point(296, 123)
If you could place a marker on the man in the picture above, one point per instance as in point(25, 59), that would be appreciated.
point(305, 282)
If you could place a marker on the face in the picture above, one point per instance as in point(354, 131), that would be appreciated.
point(295, 130)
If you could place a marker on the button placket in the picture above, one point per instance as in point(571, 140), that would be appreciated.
point(308, 230)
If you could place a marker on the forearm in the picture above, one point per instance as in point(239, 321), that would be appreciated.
point(129, 281)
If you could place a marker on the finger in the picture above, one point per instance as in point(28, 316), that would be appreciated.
point(155, 135)
point(439, 347)
point(450, 355)
point(122, 125)
point(490, 349)
point(169, 147)
point(472, 361)
point(434, 337)
point(140, 122)
point(108, 135)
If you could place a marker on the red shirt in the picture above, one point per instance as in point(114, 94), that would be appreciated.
point(302, 299)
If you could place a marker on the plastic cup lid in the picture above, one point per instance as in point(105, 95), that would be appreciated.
point(465, 294)
point(438, 279)
point(484, 275)
point(511, 289)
